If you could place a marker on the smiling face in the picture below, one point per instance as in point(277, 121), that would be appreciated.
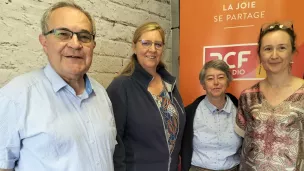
point(71, 59)
point(149, 56)
point(276, 52)
point(215, 83)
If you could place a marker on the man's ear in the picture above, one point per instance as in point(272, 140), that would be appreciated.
point(43, 42)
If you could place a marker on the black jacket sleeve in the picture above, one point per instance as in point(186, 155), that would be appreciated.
point(117, 96)
point(187, 148)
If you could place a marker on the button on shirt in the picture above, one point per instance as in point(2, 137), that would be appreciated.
point(45, 126)
point(215, 144)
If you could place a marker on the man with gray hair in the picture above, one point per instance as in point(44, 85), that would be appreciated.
point(58, 118)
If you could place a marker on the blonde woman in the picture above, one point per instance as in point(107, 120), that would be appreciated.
point(147, 106)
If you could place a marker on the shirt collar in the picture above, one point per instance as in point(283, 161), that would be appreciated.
point(227, 107)
point(88, 85)
point(58, 83)
point(144, 78)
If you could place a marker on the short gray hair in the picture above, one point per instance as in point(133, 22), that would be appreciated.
point(48, 12)
point(216, 64)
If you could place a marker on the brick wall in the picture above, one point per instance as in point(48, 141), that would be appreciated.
point(116, 20)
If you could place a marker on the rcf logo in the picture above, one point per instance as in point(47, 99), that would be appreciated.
point(241, 58)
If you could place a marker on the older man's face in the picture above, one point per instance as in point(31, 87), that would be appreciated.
point(70, 58)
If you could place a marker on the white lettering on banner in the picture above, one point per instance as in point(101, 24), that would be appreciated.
point(218, 18)
point(244, 11)
point(229, 7)
point(240, 57)
point(245, 16)
point(242, 5)
point(238, 72)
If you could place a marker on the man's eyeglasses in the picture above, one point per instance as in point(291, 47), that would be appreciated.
point(148, 44)
point(277, 25)
point(66, 34)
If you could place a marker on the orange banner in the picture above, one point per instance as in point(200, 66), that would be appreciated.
point(228, 30)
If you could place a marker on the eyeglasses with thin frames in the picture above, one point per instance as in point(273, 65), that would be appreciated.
point(148, 43)
point(65, 34)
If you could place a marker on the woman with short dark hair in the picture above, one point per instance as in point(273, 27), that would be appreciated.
point(209, 141)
